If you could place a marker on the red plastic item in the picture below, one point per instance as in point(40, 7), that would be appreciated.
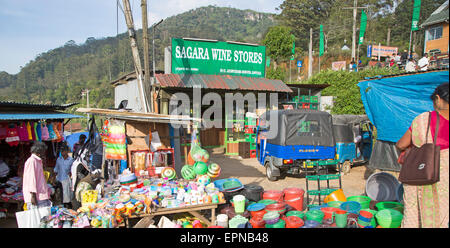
point(256, 214)
point(294, 222)
point(273, 195)
point(280, 207)
point(252, 153)
point(215, 227)
point(257, 222)
point(328, 212)
point(294, 198)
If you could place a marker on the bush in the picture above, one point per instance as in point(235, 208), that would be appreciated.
point(278, 73)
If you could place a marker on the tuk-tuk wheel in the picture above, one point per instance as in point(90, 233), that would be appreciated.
point(269, 173)
point(346, 167)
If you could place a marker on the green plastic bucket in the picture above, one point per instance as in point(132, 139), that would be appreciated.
point(334, 204)
point(373, 222)
point(390, 205)
point(362, 199)
point(296, 213)
point(316, 215)
point(389, 218)
point(267, 201)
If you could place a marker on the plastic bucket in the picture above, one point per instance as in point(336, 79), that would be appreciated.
point(362, 199)
point(222, 220)
point(279, 207)
point(365, 218)
point(311, 224)
point(294, 198)
point(239, 203)
point(391, 205)
point(329, 214)
point(351, 207)
point(296, 213)
point(337, 195)
point(280, 224)
point(316, 215)
point(275, 195)
point(257, 214)
point(253, 192)
point(389, 218)
point(341, 218)
point(294, 222)
point(382, 186)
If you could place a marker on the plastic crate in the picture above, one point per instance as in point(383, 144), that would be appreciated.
point(314, 106)
point(252, 153)
point(314, 99)
point(305, 105)
point(253, 146)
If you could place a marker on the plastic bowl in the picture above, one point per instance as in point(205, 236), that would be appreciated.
point(389, 218)
point(295, 213)
point(280, 207)
point(271, 217)
point(316, 215)
point(334, 204)
point(390, 205)
point(351, 207)
point(382, 186)
point(362, 199)
point(267, 201)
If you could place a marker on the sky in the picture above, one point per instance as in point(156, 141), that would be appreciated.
point(32, 27)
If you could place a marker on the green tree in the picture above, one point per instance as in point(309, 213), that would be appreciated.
point(278, 42)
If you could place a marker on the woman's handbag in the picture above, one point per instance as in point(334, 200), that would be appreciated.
point(421, 166)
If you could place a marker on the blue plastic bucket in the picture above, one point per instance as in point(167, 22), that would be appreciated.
point(351, 207)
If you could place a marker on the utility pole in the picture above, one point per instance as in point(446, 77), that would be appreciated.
point(355, 12)
point(135, 52)
point(310, 53)
point(153, 92)
point(388, 41)
point(146, 54)
point(85, 92)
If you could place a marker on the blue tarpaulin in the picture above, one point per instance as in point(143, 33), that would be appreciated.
point(392, 102)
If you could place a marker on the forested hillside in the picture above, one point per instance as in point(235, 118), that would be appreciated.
point(59, 75)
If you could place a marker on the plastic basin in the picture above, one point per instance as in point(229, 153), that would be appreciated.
point(279, 224)
point(316, 215)
point(280, 207)
point(390, 205)
point(362, 199)
point(334, 204)
point(271, 217)
point(351, 207)
point(382, 186)
point(373, 222)
point(389, 218)
point(296, 213)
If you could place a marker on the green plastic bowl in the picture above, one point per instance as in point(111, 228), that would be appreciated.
point(362, 199)
point(316, 215)
point(373, 222)
point(280, 224)
point(390, 205)
point(334, 204)
point(389, 218)
point(267, 201)
point(296, 213)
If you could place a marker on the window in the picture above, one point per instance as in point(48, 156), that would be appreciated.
point(308, 128)
point(434, 33)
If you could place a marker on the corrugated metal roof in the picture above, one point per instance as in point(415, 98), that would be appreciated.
point(226, 82)
point(5, 116)
point(438, 16)
point(24, 105)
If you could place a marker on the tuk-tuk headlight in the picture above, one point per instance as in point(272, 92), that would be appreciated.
point(288, 161)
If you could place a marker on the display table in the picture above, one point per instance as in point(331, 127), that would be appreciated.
point(187, 209)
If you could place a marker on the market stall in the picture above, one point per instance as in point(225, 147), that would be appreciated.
point(20, 125)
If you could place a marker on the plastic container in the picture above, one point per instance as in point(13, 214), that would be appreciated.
point(257, 222)
point(382, 186)
point(294, 222)
point(316, 215)
point(279, 207)
point(329, 213)
point(362, 199)
point(267, 201)
point(253, 192)
point(296, 213)
point(279, 224)
point(294, 198)
point(256, 214)
point(365, 218)
point(351, 207)
point(400, 191)
point(271, 217)
point(239, 203)
point(337, 195)
point(222, 220)
point(391, 205)
point(389, 218)
point(373, 222)
point(275, 195)
point(311, 224)
point(236, 221)
point(334, 204)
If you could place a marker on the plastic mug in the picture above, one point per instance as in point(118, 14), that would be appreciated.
point(341, 218)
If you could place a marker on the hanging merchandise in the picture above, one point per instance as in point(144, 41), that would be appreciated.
point(44, 132)
point(12, 136)
point(30, 135)
point(37, 130)
point(115, 145)
point(51, 132)
point(213, 170)
point(57, 131)
point(22, 131)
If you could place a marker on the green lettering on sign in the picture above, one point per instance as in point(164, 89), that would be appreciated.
point(217, 58)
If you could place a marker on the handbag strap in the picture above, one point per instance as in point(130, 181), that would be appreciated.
point(436, 130)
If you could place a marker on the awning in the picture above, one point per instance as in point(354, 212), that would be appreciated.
point(11, 116)
point(225, 82)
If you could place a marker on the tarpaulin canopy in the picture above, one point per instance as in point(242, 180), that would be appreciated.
point(392, 102)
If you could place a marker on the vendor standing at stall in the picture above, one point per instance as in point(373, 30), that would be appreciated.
point(35, 189)
point(62, 170)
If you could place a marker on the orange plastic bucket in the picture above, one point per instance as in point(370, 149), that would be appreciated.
point(257, 214)
point(294, 222)
point(257, 222)
point(275, 195)
point(294, 198)
point(329, 212)
point(337, 195)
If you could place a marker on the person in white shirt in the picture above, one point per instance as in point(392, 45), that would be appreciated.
point(423, 62)
point(410, 66)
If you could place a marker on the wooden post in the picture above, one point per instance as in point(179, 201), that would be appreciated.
point(310, 53)
point(146, 53)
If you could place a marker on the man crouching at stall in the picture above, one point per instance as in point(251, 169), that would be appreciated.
point(35, 188)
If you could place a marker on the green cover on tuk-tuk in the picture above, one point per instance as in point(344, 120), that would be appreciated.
point(298, 127)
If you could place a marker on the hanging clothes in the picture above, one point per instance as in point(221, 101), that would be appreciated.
point(51, 132)
point(22, 131)
point(3, 130)
point(30, 136)
point(33, 132)
point(44, 131)
point(37, 127)
point(12, 136)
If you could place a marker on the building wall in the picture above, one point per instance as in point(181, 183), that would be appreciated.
point(128, 91)
point(442, 43)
